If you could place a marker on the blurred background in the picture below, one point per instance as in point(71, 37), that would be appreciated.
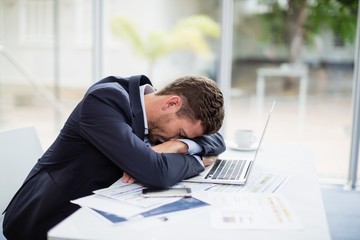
point(301, 53)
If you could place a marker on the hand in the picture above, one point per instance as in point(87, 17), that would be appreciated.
point(207, 161)
point(126, 178)
point(171, 146)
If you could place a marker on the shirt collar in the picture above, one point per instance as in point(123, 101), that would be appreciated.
point(145, 89)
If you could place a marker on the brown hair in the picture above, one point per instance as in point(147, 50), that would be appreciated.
point(202, 100)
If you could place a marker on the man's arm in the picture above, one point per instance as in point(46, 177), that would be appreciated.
point(173, 146)
point(211, 145)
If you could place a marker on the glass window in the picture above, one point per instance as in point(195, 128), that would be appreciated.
point(300, 53)
point(36, 21)
point(291, 51)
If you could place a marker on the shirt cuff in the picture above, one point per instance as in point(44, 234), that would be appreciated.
point(194, 148)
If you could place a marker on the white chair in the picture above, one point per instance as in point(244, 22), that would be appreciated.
point(20, 149)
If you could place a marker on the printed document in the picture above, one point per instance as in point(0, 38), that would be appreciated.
point(258, 183)
point(252, 211)
point(131, 194)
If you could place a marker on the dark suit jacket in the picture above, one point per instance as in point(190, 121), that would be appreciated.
point(102, 138)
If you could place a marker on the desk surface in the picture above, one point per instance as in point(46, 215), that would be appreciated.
point(302, 192)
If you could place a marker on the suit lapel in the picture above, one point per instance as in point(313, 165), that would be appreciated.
point(135, 101)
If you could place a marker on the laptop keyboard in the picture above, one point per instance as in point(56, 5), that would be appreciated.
point(226, 169)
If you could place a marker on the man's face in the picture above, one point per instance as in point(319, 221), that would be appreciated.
point(170, 126)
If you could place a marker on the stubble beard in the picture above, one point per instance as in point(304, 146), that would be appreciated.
point(156, 127)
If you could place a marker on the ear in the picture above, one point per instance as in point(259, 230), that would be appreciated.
point(172, 103)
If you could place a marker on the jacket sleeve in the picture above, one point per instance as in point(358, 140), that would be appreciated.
point(211, 145)
point(106, 123)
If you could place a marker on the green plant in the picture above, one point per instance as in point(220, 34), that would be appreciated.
point(298, 21)
point(188, 33)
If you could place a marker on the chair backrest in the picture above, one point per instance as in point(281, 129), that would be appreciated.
point(20, 149)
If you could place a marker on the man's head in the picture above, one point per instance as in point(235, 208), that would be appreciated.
point(193, 103)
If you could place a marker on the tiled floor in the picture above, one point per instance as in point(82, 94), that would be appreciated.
point(343, 212)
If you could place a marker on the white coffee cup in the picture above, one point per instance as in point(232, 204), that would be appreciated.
point(244, 137)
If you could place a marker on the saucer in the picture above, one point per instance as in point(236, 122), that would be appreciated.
point(233, 146)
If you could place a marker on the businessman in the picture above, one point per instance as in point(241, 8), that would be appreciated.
point(122, 126)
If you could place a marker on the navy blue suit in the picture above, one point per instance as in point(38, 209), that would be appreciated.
point(101, 139)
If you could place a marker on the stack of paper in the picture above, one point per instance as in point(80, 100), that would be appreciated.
point(122, 202)
point(253, 206)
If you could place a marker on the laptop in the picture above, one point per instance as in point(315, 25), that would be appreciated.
point(230, 171)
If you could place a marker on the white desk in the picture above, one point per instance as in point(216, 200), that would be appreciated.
point(301, 191)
